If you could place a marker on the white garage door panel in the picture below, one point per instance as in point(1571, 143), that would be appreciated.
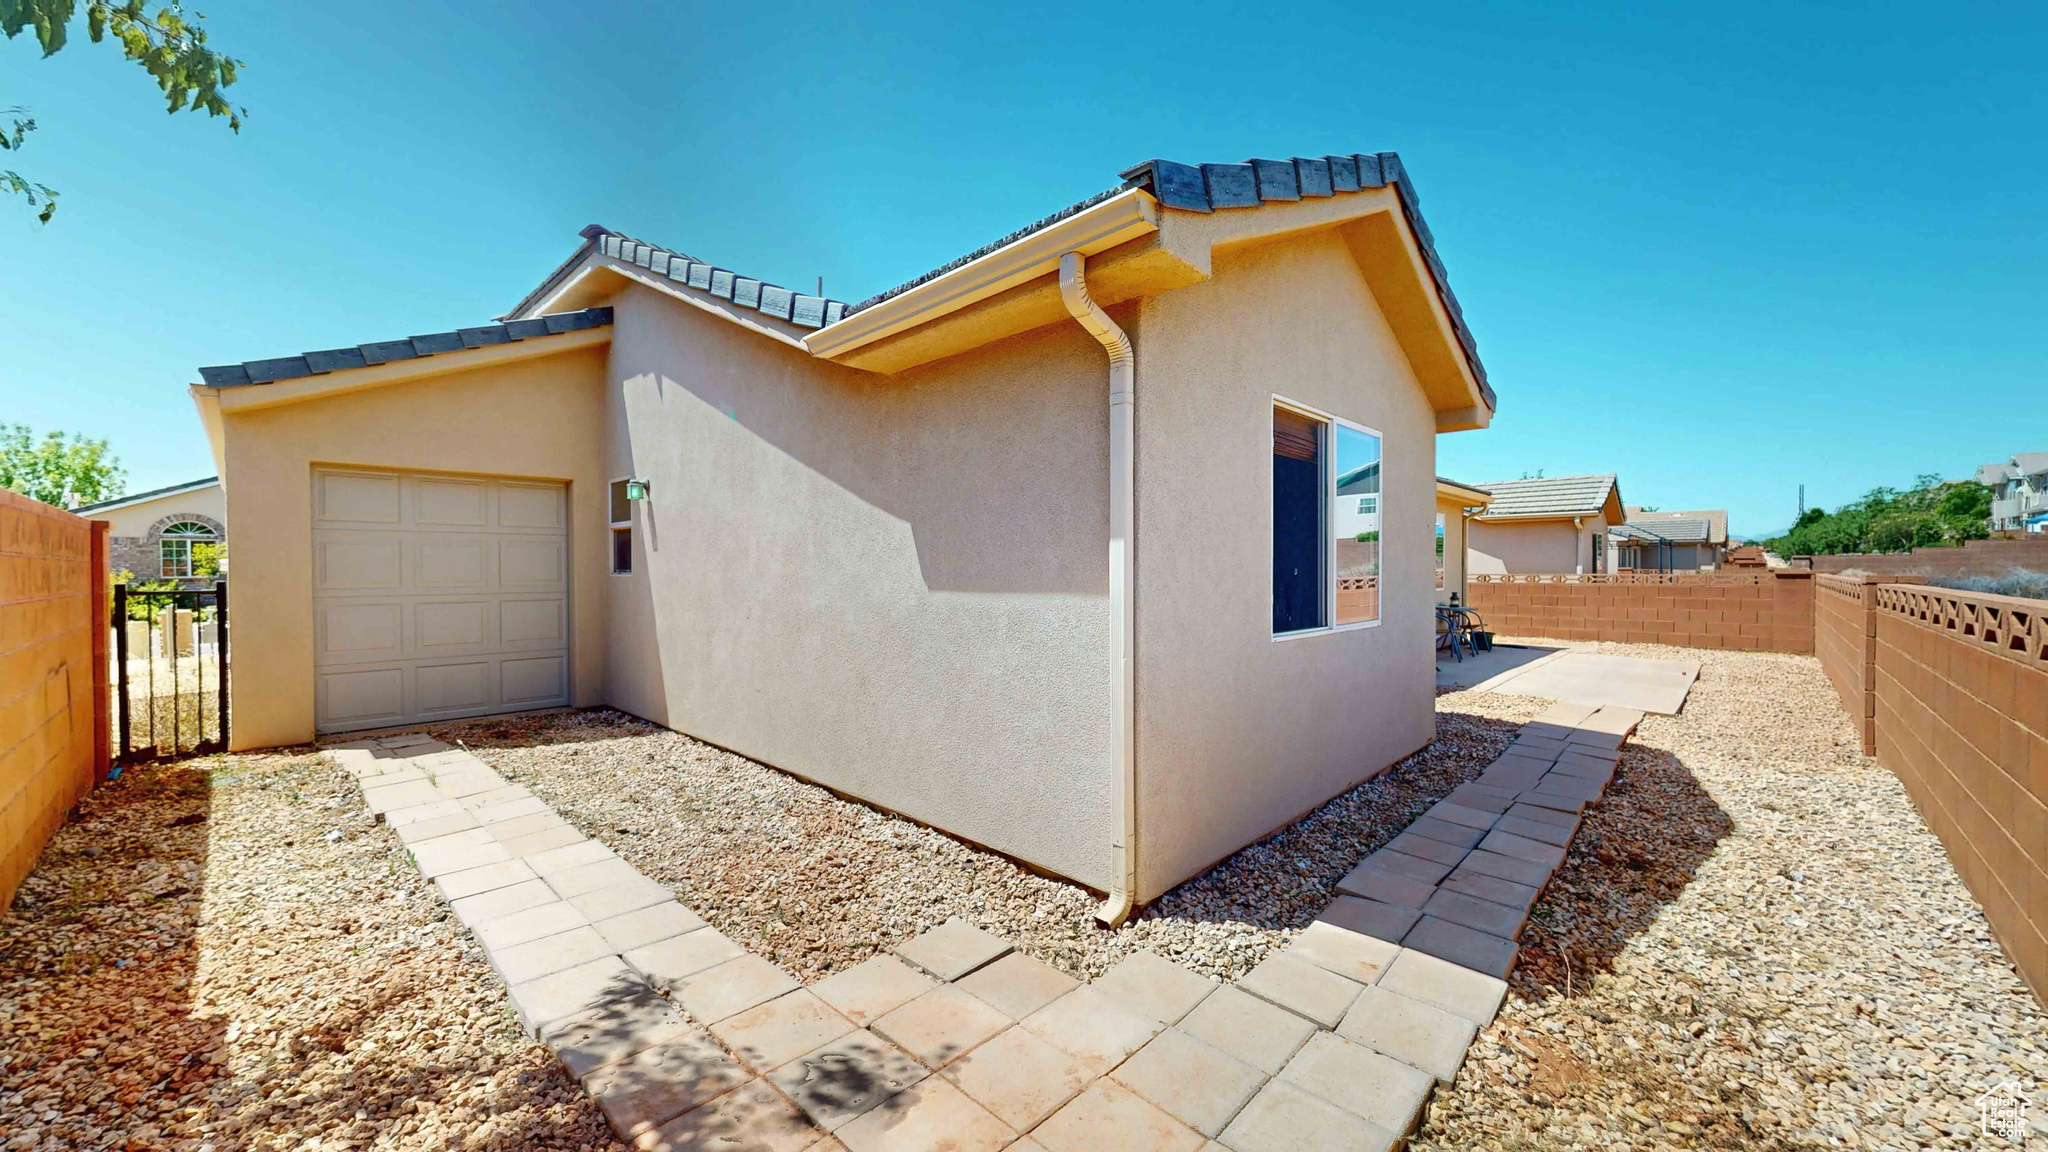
point(437, 597)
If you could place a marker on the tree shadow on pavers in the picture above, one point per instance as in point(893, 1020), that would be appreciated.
point(98, 953)
point(1633, 854)
point(1286, 879)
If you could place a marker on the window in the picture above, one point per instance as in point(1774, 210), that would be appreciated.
point(1439, 551)
point(174, 550)
point(1326, 522)
point(622, 529)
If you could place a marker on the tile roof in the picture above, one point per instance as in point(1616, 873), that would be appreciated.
point(1210, 187)
point(1716, 518)
point(153, 493)
point(1548, 496)
point(411, 348)
point(1686, 530)
point(798, 308)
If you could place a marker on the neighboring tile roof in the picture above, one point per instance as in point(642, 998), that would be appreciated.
point(1716, 518)
point(1209, 187)
point(411, 348)
point(153, 493)
point(1991, 475)
point(1548, 496)
point(2031, 462)
point(1691, 530)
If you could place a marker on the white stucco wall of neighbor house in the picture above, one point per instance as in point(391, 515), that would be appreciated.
point(894, 586)
point(1239, 733)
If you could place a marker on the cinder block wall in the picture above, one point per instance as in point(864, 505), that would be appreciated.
point(53, 674)
point(1974, 558)
point(1845, 639)
point(1748, 611)
point(1962, 719)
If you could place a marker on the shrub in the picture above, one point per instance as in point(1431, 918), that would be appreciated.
point(2018, 582)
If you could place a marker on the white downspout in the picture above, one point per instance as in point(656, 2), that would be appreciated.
point(1123, 634)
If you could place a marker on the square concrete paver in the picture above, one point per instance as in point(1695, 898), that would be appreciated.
point(1240, 1024)
point(732, 987)
point(536, 958)
point(406, 794)
point(1463, 946)
point(941, 1025)
point(1387, 922)
point(1018, 985)
point(590, 1040)
point(873, 988)
point(528, 924)
point(1020, 1078)
point(669, 962)
point(1451, 812)
point(1195, 1083)
point(1413, 867)
point(421, 813)
point(1443, 832)
point(434, 828)
point(1361, 1081)
point(1416, 844)
point(1092, 1028)
point(1490, 888)
point(1349, 954)
point(1386, 887)
point(839, 1081)
point(1285, 1118)
point(753, 1117)
point(1500, 867)
point(953, 949)
point(620, 898)
point(514, 809)
point(1460, 991)
point(650, 925)
point(1484, 915)
point(574, 856)
point(1305, 989)
point(1108, 1117)
point(577, 879)
point(560, 995)
point(769, 1035)
point(1417, 1034)
point(1154, 987)
point(484, 906)
point(457, 852)
point(1538, 814)
point(455, 885)
point(525, 826)
point(541, 841)
point(930, 1116)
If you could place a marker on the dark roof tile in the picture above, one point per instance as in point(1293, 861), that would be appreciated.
point(386, 351)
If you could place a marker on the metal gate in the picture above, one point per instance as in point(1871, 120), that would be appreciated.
point(170, 671)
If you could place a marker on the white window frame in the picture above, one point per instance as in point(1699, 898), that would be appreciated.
point(1329, 512)
point(171, 535)
point(612, 533)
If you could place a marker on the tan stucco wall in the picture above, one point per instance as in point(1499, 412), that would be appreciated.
point(895, 586)
point(1239, 734)
point(539, 418)
point(1455, 533)
point(138, 519)
point(1546, 546)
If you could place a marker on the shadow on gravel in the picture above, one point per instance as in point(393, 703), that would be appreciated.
point(97, 958)
point(1634, 854)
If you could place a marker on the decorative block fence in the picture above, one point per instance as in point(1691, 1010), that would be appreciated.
point(1767, 611)
point(1952, 691)
point(54, 670)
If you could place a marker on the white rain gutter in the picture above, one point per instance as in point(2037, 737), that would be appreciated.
point(1123, 383)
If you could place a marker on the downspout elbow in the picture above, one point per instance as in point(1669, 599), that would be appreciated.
point(1122, 586)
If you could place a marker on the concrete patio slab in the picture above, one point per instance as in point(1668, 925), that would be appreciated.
point(769, 1035)
point(475, 910)
point(1419, 1035)
point(590, 1040)
point(1252, 1030)
point(650, 925)
point(839, 1081)
point(929, 1116)
point(667, 963)
point(1018, 985)
point(1460, 991)
point(549, 954)
point(1352, 955)
point(1108, 1117)
point(620, 898)
point(753, 1116)
point(873, 988)
point(1589, 678)
point(1313, 993)
point(528, 924)
point(1480, 669)
point(953, 949)
point(1019, 1077)
point(456, 885)
point(1092, 1028)
point(731, 987)
point(1373, 883)
point(941, 1025)
point(1463, 946)
point(1154, 987)
point(558, 996)
point(1193, 1082)
point(1387, 922)
point(663, 1082)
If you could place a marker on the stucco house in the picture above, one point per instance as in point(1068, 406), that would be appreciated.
point(1671, 541)
point(1456, 505)
point(1546, 524)
point(1037, 548)
point(153, 532)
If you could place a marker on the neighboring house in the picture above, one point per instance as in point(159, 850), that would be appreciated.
point(2019, 492)
point(1671, 541)
point(1456, 504)
point(153, 532)
point(889, 546)
point(1548, 524)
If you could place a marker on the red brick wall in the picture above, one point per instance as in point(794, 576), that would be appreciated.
point(53, 674)
point(1961, 716)
point(1769, 611)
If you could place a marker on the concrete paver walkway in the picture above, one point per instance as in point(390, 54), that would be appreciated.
point(957, 1041)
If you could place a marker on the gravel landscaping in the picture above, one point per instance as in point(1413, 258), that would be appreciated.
point(818, 884)
point(228, 954)
point(1755, 943)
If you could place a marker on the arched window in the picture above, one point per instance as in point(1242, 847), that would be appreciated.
point(175, 549)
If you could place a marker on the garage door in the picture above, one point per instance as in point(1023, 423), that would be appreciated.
point(437, 597)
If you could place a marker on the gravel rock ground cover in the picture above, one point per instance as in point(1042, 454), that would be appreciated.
point(818, 883)
point(228, 954)
point(1755, 943)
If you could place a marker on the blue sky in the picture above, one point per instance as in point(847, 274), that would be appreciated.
point(1720, 250)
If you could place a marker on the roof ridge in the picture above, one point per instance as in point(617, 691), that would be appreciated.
point(802, 309)
point(166, 490)
point(411, 348)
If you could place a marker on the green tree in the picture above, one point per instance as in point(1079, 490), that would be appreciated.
point(162, 39)
point(1932, 513)
point(58, 471)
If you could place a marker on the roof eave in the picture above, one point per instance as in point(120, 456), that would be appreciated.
point(230, 398)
